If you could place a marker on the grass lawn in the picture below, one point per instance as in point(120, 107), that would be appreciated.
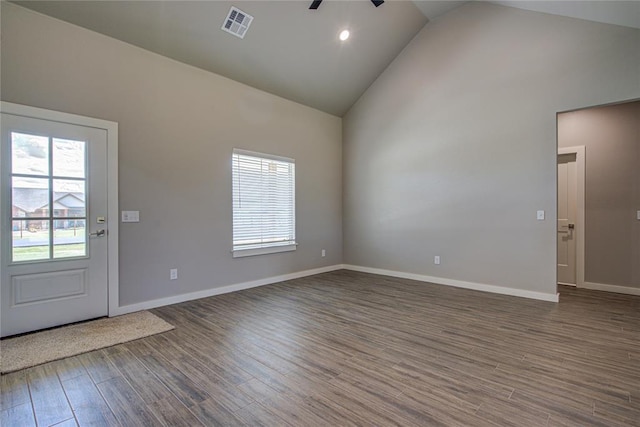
point(25, 235)
point(31, 253)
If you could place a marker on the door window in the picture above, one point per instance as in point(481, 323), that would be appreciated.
point(48, 198)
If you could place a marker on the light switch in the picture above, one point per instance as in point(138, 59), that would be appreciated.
point(540, 215)
point(638, 215)
point(130, 216)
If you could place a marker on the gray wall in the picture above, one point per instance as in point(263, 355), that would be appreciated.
point(453, 149)
point(611, 136)
point(178, 126)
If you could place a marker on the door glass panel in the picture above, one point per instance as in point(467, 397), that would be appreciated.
point(69, 238)
point(30, 240)
point(68, 158)
point(29, 154)
point(59, 231)
point(69, 198)
point(30, 197)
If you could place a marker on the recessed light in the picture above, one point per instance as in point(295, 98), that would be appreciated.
point(344, 35)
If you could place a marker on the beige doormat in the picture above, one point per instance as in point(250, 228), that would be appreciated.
point(53, 344)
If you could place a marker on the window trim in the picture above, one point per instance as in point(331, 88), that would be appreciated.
point(263, 155)
point(276, 247)
point(241, 253)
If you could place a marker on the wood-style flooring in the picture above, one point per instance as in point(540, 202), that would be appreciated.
point(346, 349)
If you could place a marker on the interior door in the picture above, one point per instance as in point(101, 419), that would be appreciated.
point(54, 206)
point(567, 212)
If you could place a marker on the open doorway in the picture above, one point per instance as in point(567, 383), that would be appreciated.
point(598, 234)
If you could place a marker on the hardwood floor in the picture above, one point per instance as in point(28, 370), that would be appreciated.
point(347, 348)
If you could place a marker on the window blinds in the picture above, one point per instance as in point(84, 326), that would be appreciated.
point(263, 200)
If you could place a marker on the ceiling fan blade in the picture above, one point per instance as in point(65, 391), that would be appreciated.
point(377, 3)
point(315, 4)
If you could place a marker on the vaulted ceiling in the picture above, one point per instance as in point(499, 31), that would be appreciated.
point(289, 50)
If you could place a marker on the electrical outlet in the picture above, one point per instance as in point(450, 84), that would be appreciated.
point(324, 253)
point(436, 260)
point(173, 274)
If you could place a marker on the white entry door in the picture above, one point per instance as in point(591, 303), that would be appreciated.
point(54, 224)
point(567, 214)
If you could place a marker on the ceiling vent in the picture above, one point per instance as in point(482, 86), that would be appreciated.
point(237, 22)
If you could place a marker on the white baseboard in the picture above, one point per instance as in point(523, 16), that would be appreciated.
point(146, 305)
point(458, 283)
point(611, 288)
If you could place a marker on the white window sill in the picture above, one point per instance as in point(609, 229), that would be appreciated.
point(239, 253)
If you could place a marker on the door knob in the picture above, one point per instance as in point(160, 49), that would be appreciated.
point(99, 233)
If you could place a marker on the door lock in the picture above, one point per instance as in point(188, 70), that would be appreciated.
point(99, 233)
point(571, 226)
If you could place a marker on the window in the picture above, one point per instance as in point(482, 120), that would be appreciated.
point(48, 198)
point(263, 203)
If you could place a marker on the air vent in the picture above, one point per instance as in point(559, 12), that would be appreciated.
point(237, 22)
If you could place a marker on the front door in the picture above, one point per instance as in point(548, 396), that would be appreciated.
point(567, 213)
point(54, 207)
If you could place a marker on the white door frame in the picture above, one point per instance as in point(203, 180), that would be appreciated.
point(579, 151)
point(112, 181)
